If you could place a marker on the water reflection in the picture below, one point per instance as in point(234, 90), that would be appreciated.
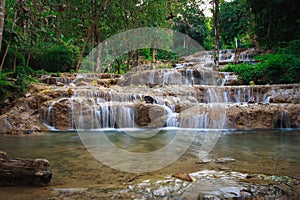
point(268, 152)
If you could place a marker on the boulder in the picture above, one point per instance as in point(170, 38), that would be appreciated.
point(18, 171)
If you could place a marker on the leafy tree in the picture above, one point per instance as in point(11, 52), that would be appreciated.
point(191, 21)
point(275, 21)
point(235, 20)
point(26, 30)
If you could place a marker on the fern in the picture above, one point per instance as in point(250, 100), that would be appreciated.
point(5, 84)
point(4, 79)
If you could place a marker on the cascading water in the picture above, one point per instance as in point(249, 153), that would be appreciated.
point(105, 106)
point(191, 100)
point(189, 77)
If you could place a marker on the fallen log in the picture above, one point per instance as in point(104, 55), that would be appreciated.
point(17, 171)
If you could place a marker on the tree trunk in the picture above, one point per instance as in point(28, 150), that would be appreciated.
point(119, 66)
point(10, 40)
point(83, 48)
point(89, 33)
point(253, 35)
point(217, 32)
point(136, 55)
point(98, 53)
point(28, 58)
point(2, 16)
point(153, 61)
point(4, 55)
point(16, 171)
point(128, 61)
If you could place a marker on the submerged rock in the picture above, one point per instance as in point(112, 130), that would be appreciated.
point(225, 160)
point(211, 184)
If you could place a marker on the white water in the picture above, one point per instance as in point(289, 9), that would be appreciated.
point(109, 108)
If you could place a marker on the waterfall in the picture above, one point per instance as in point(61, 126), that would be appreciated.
point(226, 55)
point(103, 114)
point(189, 77)
point(49, 114)
point(103, 106)
point(266, 99)
point(171, 77)
point(284, 120)
point(202, 73)
point(151, 77)
point(117, 107)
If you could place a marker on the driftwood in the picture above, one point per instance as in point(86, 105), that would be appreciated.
point(17, 171)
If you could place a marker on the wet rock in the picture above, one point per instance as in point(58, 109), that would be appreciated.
point(183, 176)
point(251, 100)
point(211, 184)
point(16, 171)
point(151, 85)
point(225, 160)
point(149, 99)
point(60, 84)
point(149, 115)
point(263, 116)
point(205, 160)
point(83, 83)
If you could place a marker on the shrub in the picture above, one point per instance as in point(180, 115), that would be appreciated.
point(53, 58)
point(5, 85)
point(246, 71)
point(280, 68)
point(166, 55)
point(14, 84)
point(59, 58)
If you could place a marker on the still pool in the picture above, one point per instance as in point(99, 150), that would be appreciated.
point(271, 152)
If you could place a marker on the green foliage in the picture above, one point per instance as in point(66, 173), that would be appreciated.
point(84, 71)
point(122, 69)
point(247, 72)
point(53, 58)
point(235, 20)
point(14, 83)
point(208, 43)
point(275, 21)
point(40, 72)
point(166, 55)
point(146, 53)
point(279, 68)
point(293, 47)
point(192, 21)
point(49, 35)
point(5, 84)
point(22, 79)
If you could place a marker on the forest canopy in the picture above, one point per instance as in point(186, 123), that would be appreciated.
point(36, 32)
point(54, 36)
